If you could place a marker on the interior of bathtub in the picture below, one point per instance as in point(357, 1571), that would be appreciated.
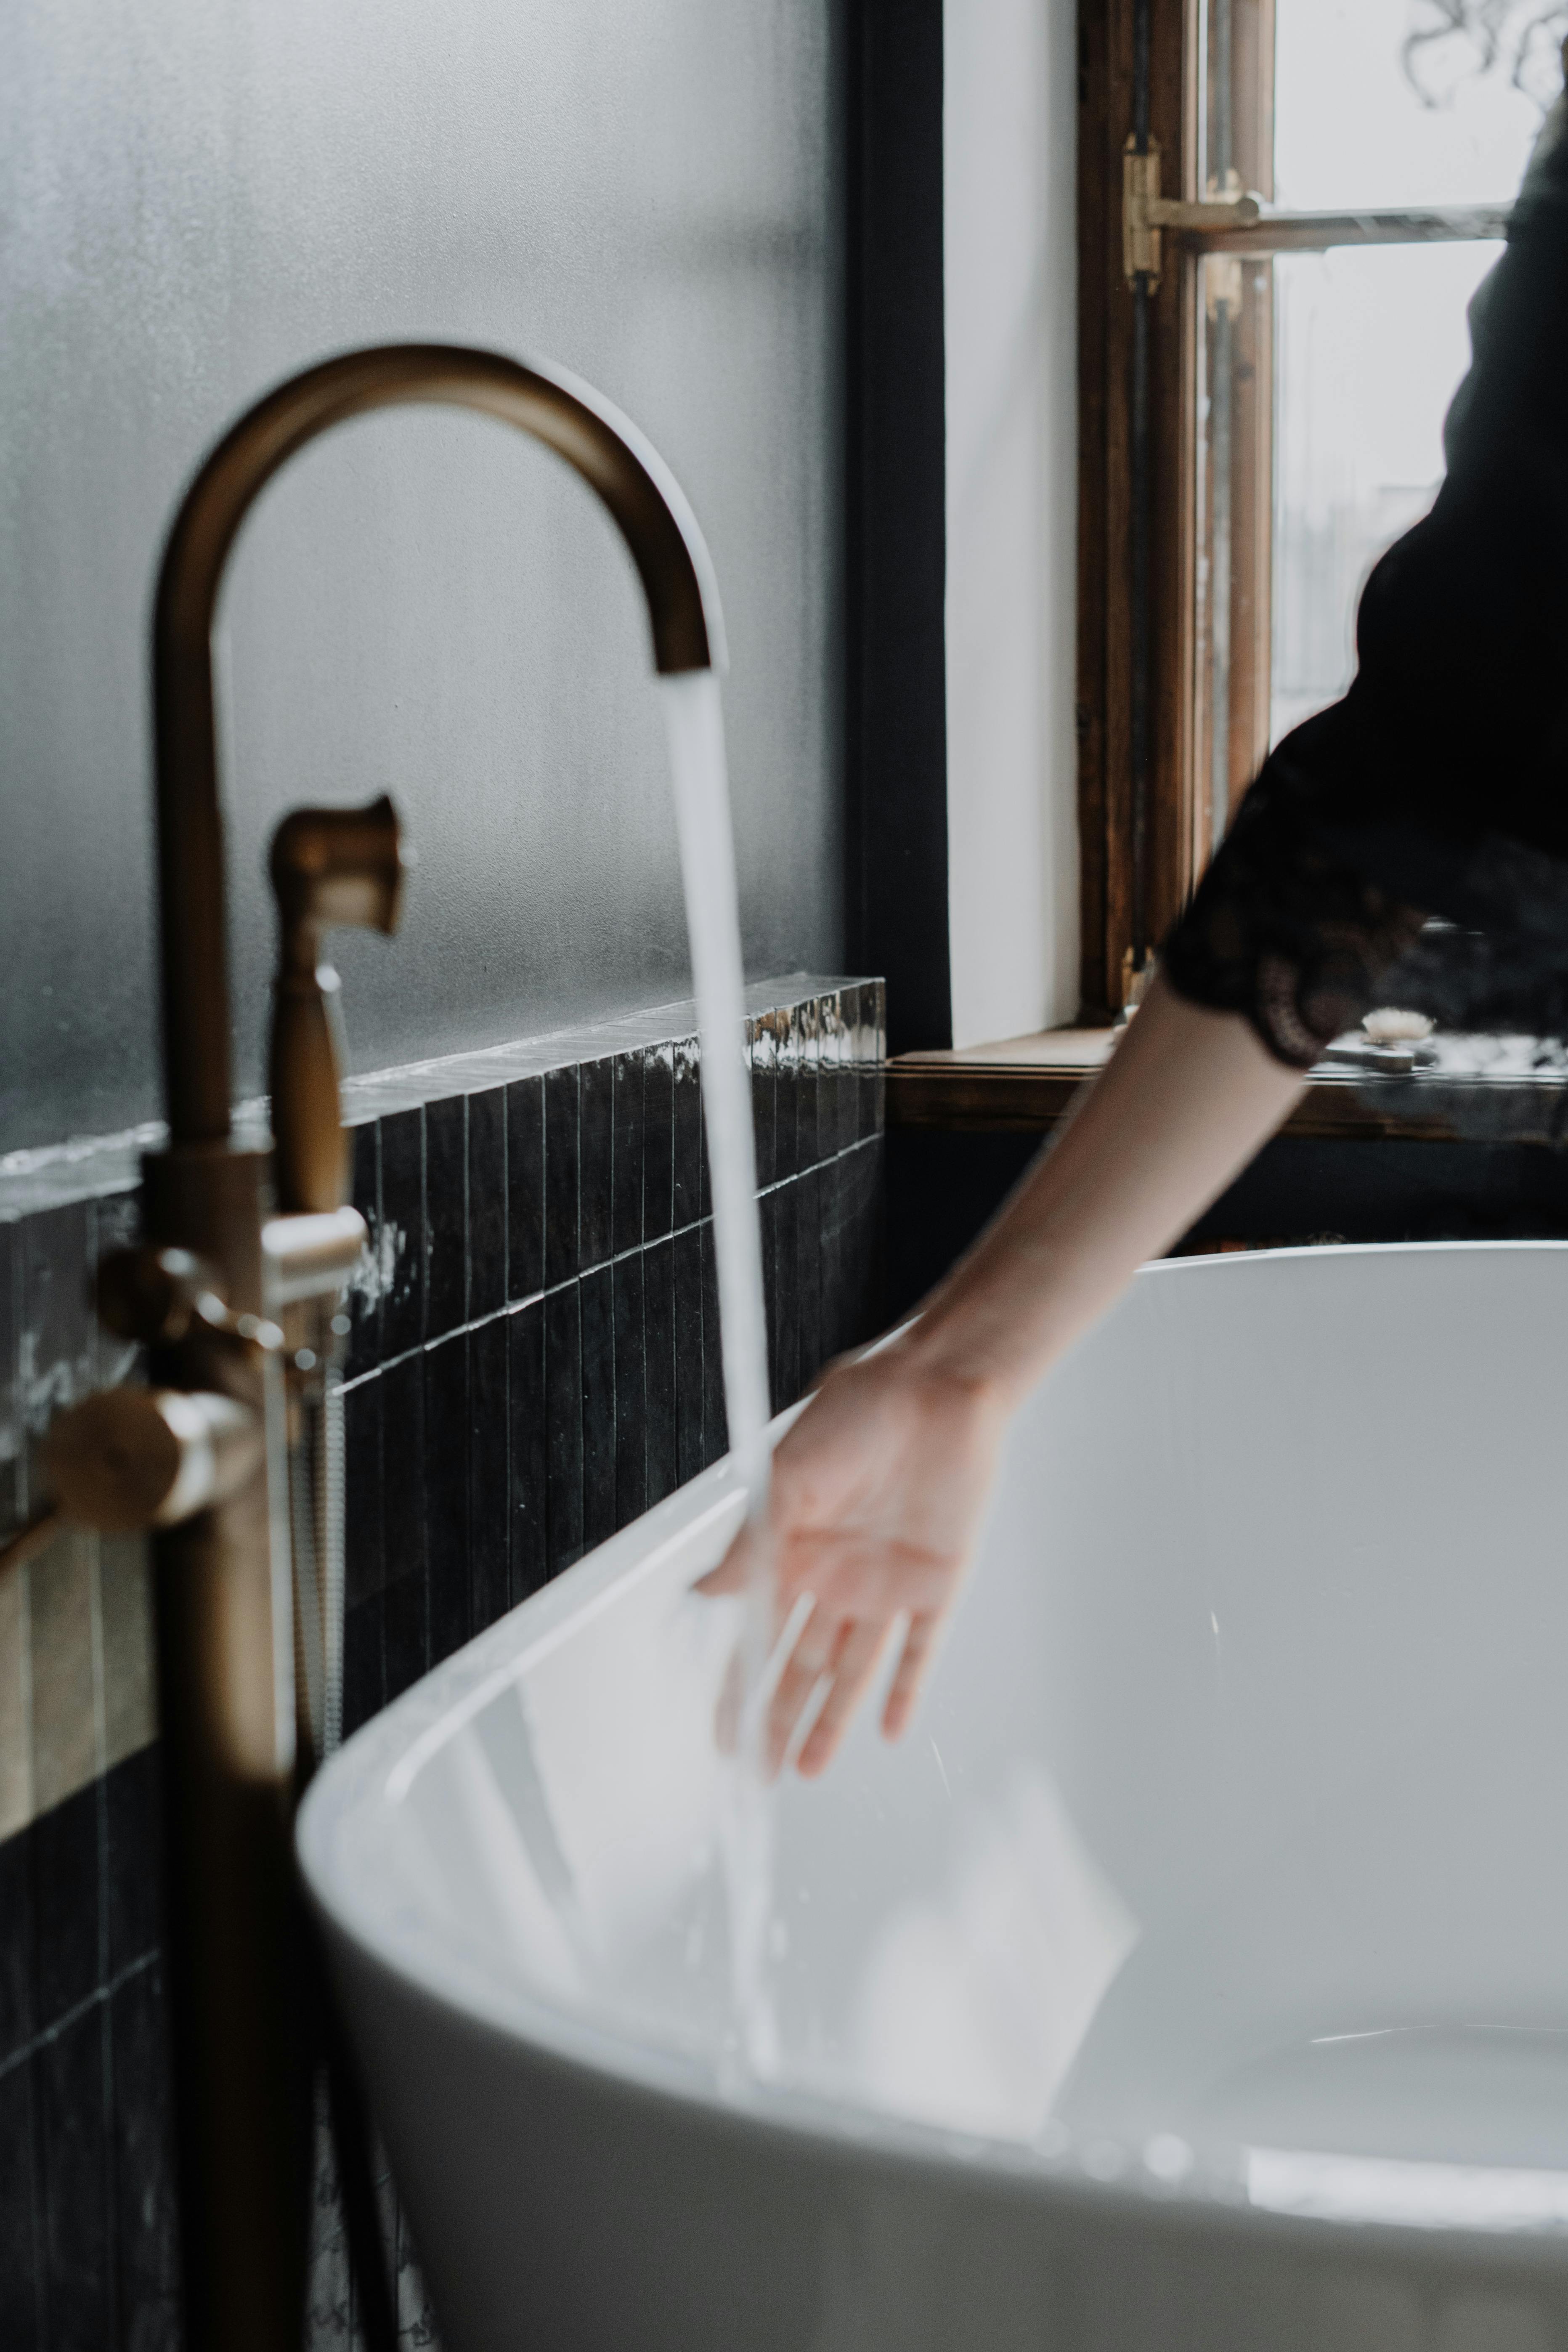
point(1229, 1838)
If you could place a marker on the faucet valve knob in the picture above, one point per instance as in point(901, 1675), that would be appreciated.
point(132, 1458)
point(153, 1295)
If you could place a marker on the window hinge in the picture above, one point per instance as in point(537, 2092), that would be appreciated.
point(1145, 213)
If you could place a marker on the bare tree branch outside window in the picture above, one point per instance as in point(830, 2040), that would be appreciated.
point(1457, 39)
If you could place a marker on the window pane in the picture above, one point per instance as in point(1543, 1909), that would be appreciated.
point(1369, 345)
point(1352, 125)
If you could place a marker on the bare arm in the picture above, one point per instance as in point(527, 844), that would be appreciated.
point(880, 1485)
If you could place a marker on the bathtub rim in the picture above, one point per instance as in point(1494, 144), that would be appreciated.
point(391, 1747)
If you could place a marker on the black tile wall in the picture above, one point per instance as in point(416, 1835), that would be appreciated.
point(526, 1227)
point(88, 2222)
point(533, 1362)
point(486, 1241)
point(561, 1155)
point(528, 1456)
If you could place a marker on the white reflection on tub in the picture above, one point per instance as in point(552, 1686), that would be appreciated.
point(973, 2002)
point(573, 1824)
point(1419, 2196)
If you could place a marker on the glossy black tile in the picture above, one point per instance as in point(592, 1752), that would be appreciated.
point(22, 2316)
point(828, 1089)
point(16, 1943)
point(488, 1571)
point(659, 1142)
point(446, 1494)
point(715, 1423)
point(878, 1049)
point(525, 1187)
point(402, 1231)
point(562, 1187)
point(786, 1089)
point(687, 1094)
point(872, 1237)
point(660, 1457)
point(596, 1144)
point(563, 1429)
point(836, 1323)
point(405, 1619)
point(71, 2087)
point(487, 1202)
point(67, 1905)
point(805, 1092)
point(786, 1335)
point(808, 1274)
point(446, 1215)
point(838, 1048)
point(527, 1451)
point(364, 1564)
point(142, 2139)
point(631, 1389)
point(598, 1406)
point(762, 1052)
point(685, 1271)
point(626, 1172)
point(768, 1220)
point(133, 1837)
point(365, 1661)
point(704, 1167)
point(364, 1349)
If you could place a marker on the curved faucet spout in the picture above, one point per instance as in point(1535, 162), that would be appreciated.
point(611, 456)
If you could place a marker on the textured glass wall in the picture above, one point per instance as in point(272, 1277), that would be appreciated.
point(201, 198)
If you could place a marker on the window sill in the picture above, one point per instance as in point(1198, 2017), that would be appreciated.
point(1481, 1091)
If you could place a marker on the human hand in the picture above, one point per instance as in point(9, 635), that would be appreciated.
point(877, 1495)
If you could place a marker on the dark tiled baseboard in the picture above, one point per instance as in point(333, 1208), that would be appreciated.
point(87, 2226)
point(534, 1360)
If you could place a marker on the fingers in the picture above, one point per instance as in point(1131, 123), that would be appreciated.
point(815, 1652)
point(854, 1663)
point(914, 1665)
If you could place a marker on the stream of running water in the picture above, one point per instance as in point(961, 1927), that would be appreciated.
point(694, 721)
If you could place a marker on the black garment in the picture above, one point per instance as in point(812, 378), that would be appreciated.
point(1438, 786)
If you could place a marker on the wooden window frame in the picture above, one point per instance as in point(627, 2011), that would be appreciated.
point(1107, 31)
point(1191, 761)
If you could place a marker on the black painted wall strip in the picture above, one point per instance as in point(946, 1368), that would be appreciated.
point(896, 702)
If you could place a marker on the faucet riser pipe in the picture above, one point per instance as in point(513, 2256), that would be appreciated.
point(224, 1638)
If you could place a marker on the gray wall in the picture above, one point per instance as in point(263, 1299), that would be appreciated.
point(200, 196)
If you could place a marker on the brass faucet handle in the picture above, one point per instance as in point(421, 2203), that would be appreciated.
point(132, 1458)
point(340, 866)
point(329, 867)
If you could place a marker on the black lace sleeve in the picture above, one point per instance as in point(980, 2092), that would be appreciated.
point(1440, 782)
point(1285, 931)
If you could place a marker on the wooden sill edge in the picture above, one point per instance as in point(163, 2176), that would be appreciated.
point(1025, 1086)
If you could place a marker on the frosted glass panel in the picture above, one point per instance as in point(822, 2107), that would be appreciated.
point(1350, 129)
point(1370, 345)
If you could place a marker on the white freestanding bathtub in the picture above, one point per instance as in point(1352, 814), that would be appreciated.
point(1195, 1976)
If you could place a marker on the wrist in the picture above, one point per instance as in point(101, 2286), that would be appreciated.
point(945, 1351)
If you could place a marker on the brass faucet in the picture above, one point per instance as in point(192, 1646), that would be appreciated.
point(238, 1280)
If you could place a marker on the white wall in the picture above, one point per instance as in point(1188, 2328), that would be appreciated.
point(1010, 139)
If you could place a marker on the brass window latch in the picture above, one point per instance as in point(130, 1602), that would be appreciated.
point(1145, 213)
